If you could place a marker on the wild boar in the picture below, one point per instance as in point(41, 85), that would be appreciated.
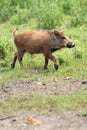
point(40, 41)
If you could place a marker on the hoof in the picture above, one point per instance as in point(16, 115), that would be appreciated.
point(46, 68)
point(56, 67)
point(12, 66)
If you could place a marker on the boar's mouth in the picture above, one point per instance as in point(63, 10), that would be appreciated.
point(53, 49)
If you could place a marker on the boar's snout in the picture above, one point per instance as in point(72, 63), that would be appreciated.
point(70, 45)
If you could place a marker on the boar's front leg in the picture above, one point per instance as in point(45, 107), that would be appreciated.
point(51, 57)
point(46, 63)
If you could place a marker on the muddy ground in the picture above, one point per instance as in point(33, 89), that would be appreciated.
point(68, 120)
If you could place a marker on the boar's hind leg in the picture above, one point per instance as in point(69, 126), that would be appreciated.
point(20, 57)
point(14, 60)
point(51, 57)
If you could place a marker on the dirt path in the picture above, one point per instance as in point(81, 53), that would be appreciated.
point(49, 120)
point(40, 87)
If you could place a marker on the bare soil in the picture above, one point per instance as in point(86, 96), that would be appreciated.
point(68, 120)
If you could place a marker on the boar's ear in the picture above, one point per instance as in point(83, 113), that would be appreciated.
point(56, 32)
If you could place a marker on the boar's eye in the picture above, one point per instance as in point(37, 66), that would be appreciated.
point(63, 38)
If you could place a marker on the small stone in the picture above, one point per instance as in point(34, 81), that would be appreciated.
point(33, 121)
point(84, 81)
point(67, 78)
point(44, 84)
point(55, 80)
point(39, 83)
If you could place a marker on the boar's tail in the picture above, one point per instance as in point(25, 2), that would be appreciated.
point(14, 31)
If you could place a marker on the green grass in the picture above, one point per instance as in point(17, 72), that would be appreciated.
point(74, 102)
point(83, 113)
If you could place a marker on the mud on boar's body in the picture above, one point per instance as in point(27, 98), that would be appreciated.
point(40, 41)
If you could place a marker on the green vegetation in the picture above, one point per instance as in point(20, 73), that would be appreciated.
point(48, 13)
point(83, 113)
point(68, 15)
point(60, 102)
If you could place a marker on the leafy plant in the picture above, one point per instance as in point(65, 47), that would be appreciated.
point(49, 15)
